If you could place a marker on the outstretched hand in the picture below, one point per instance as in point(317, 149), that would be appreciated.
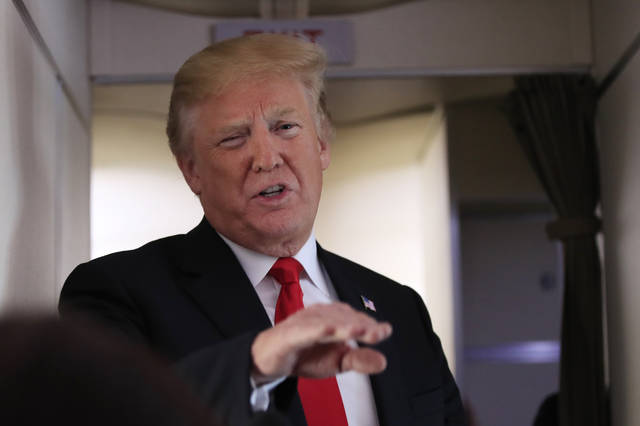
point(313, 342)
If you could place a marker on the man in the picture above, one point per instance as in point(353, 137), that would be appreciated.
point(250, 133)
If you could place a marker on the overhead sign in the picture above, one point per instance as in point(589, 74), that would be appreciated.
point(335, 36)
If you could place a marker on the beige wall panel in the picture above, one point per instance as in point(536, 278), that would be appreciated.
point(615, 24)
point(619, 136)
point(487, 162)
point(385, 205)
point(138, 193)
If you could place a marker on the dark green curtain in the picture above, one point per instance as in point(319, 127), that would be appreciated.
point(553, 117)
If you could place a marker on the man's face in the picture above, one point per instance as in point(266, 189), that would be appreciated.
point(256, 162)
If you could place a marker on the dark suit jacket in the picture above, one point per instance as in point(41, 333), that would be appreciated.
point(188, 298)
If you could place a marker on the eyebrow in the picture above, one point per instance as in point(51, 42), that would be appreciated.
point(276, 114)
point(280, 112)
point(233, 128)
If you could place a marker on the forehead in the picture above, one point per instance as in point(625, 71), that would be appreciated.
point(266, 96)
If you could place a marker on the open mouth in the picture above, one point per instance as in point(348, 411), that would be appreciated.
point(272, 191)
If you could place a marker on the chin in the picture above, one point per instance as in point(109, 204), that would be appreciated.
point(280, 231)
point(283, 230)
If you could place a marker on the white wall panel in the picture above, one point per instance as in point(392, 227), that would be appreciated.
point(29, 98)
point(459, 34)
point(65, 28)
point(9, 198)
point(42, 143)
point(73, 181)
point(128, 39)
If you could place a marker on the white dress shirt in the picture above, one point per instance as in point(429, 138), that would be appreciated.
point(355, 388)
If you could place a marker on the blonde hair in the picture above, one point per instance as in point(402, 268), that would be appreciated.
point(209, 71)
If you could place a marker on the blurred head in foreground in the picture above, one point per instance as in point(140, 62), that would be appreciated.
point(72, 374)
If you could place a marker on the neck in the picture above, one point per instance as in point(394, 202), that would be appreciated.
point(279, 248)
point(283, 249)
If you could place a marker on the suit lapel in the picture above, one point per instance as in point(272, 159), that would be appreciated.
point(391, 402)
point(218, 285)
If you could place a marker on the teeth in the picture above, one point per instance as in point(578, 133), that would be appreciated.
point(272, 190)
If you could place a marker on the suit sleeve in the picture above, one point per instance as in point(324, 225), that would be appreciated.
point(219, 373)
point(454, 414)
point(92, 292)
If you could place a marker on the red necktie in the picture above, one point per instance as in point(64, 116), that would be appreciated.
point(320, 398)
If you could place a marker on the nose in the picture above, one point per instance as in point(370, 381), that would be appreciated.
point(266, 155)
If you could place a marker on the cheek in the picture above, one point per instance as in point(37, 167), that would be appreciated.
point(210, 177)
point(225, 180)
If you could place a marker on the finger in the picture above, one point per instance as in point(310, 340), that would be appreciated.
point(333, 323)
point(370, 333)
point(321, 360)
point(364, 360)
point(375, 334)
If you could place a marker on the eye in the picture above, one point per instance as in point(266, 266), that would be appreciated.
point(232, 141)
point(287, 130)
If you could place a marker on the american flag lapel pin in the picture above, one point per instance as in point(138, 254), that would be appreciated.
point(368, 303)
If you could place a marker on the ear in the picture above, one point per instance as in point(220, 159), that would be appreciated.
point(325, 153)
point(190, 172)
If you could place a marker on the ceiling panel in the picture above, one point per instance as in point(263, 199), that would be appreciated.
point(350, 100)
point(250, 8)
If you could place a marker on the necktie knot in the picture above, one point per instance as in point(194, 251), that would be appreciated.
point(286, 270)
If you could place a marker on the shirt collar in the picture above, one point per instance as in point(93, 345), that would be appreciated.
point(257, 265)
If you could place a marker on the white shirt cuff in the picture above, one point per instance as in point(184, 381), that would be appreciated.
point(259, 398)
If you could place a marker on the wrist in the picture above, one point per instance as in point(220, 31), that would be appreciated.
point(262, 371)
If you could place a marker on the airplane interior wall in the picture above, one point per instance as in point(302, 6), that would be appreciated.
point(615, 28)
point(44, 145)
